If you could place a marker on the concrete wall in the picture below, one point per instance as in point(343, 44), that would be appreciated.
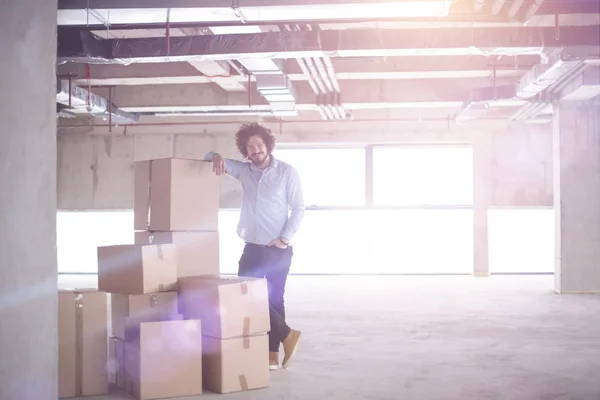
point(28, 297)
point(521, 168)
point(95, 172)
point(577, 214)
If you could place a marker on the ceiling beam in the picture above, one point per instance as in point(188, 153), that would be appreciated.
point(171, 79)
point(392, 68)
point(349, 43)
point(381, 130)
point(378, 94)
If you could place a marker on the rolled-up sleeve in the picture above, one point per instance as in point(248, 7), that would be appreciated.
point(233, 168)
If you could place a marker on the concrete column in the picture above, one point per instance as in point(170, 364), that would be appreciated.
point(28, 278)
point(482, 159)
point(576, 137)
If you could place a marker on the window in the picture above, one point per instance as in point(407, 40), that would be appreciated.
point(330, 177)
point(420, 175)
point(370, 242)
point(230, 244)
point(521, 240)
point(362, 240)
point(79, 233)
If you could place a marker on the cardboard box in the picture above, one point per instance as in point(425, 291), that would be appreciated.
point(116, 367)
point(130, 309)
point(197, 252)
point(166, 361)
point(136, 269)
point(175, 195)
point(82, 350)
point(227, 306)
point(132, 333)
point(235, 365)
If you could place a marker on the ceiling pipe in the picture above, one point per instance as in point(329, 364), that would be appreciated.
point(331, 73)
point(331, 106)
point(315, 75)
point(79, 101)
point(323, 73)
point(304, 68)
point(325, 67)
point(306, 73)
point(326, 111)
point(336, 86)
point(313, 85)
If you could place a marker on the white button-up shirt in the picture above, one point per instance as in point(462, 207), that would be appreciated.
point(272, 200)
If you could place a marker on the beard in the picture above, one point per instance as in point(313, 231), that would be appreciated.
point(258, 159)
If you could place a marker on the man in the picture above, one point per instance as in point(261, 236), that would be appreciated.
point(270, 189)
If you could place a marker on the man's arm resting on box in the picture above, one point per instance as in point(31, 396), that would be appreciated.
point(232, 167)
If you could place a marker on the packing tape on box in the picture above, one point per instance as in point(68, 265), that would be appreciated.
point(148, 211)
point(246, 334)
point(153, 300)
point(161, 254)
point(243, 383)
point(246, 329)
point(244, 287)
point(78, 343)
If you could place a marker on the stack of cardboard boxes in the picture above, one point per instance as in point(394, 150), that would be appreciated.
point(235, 322)
point(154, 352)
point(176, 201)
point(177, 326)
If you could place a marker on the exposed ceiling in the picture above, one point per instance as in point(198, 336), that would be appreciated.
point(294, 60)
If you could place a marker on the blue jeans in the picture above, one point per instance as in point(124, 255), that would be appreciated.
point(273, 264)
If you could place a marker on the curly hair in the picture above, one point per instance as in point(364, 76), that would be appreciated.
point(254, 129)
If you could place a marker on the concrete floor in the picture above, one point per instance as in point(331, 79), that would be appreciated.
point(437, 338)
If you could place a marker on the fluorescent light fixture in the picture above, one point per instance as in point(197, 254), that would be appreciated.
point(214, 114)
point(261, 65)
point(398, 9)
point(279, 97)
point(365, 10)
point(236, 29)
point(284, 113)
point(283, 106)
point(268, 92)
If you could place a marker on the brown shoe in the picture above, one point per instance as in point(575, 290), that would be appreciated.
point(273, 360)
point(290, 345)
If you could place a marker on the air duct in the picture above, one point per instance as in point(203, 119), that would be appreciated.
point(479, 102)
point(544, 81)
point(278, 90)
point(543, 76)
point(81, 46)
point(78, 100)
